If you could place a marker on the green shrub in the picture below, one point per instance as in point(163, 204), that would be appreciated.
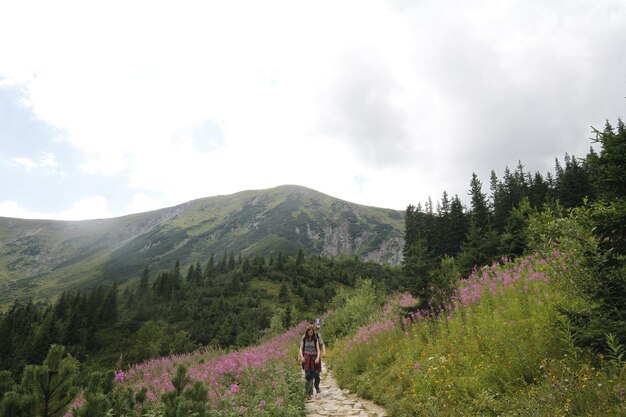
point(351, 308)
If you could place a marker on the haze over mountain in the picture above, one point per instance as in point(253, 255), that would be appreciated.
point(40, 258)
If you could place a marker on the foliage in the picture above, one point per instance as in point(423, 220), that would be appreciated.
point(46, 390)
point(229, 302)
point(262, 380)
point(496, 350)
point(350, 309)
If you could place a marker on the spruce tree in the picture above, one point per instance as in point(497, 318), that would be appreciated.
point(458, 226)
point(607, 292)
point(479, 208)
point(482, 242)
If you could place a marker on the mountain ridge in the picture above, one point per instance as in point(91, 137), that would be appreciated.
point(40, 258)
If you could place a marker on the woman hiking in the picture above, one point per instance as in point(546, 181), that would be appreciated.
point(309, 355)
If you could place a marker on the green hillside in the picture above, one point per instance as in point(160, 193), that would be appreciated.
point(40, 258)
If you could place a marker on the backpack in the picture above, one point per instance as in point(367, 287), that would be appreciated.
point(317, 339)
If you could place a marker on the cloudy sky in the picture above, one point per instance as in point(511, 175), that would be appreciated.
point(110, 108)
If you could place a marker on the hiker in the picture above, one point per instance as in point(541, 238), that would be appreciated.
point(318, 324)
point(309, 355)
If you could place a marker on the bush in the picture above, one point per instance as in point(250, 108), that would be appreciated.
point(351, 308)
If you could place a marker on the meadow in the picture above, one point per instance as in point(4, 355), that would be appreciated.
point(262, 380)
point(499, 348)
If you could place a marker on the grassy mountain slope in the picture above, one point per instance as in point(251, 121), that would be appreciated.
point(39, 258)
point(498, 349)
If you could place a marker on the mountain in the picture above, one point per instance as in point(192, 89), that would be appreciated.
point(40, 258)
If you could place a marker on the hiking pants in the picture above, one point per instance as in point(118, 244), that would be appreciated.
point(311, 373)
point(312, 379)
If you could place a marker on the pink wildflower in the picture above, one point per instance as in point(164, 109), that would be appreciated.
point(119, 377)
point(234, 389)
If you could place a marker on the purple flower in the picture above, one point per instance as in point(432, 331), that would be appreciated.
point(234, 389)
point(119, 377)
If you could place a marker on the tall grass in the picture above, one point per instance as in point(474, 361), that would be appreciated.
point(498, 349)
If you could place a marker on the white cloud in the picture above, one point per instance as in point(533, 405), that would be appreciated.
point(142, 203)
point(46, 160)
point(94, 207)
point(13, 209)
point(408, 97)
point(25, 162)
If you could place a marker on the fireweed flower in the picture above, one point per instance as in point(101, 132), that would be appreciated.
point(234, 389)
point(119, 377)
point(154, 374)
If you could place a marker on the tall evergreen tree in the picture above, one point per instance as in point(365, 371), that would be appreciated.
point(108, 311)
point(209, 269)
point(479, 209)
point(144, 283)
point(410, 231)
point(574, 183)
point(416, 270)
point(482, 242)
point(610, 165)
point(538, 192)
point(457, 226)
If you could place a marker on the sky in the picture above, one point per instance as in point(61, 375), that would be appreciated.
point(118, 107)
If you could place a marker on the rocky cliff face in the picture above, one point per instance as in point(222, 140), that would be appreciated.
point(338, 240)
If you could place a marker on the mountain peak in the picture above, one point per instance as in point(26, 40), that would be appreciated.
point(42, 257)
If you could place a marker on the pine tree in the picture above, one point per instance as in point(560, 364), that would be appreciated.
point(609, 167)
point(144, 283)
point(231, 263)
point(209, 269)
point(480, 210)
point(283, 294)
point(538, 192)
point(482, 242)
point(458, 225)
point(442, 244)
point(52, 384)
point(500, 200)
point(189, 277)
point(574, 184)
point(300, 257)
point(108, 310)
point(416, 271)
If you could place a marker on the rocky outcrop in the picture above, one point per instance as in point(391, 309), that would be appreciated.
point(338, 240)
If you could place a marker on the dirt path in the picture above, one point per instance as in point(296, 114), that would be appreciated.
point(335, 402)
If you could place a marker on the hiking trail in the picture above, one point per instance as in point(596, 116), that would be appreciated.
point(332, 401)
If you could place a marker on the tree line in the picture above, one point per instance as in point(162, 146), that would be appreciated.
point(228, 302)
point(445, 242)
